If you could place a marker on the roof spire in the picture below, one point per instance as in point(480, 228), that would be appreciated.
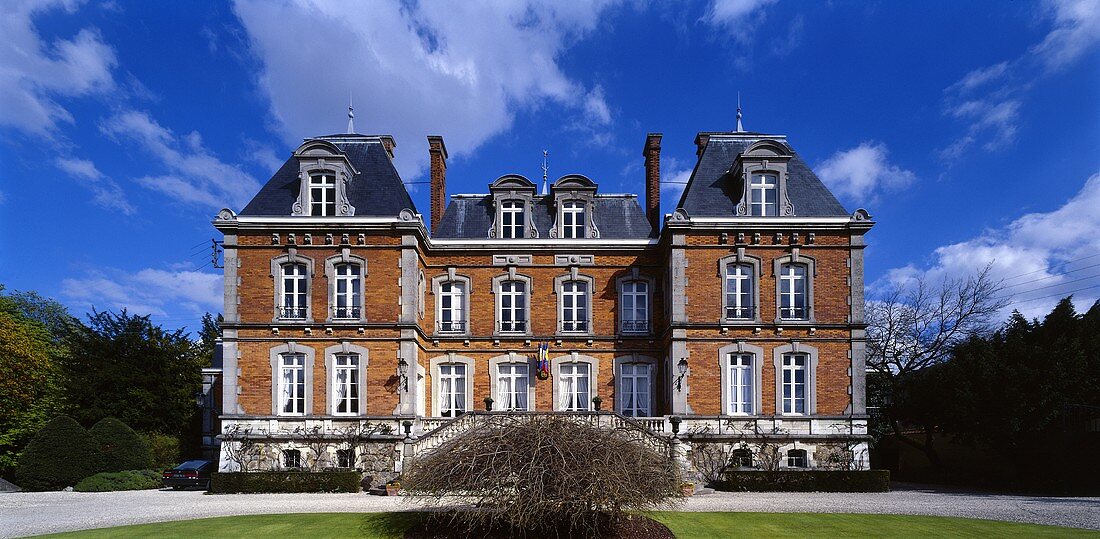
point(740, 128)
point(545, 169)
point(351, 116)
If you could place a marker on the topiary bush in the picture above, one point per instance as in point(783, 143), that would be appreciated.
point(122, 448)
point(125, 480)
point(59, 455)
point(164, 449)
point(266, 482)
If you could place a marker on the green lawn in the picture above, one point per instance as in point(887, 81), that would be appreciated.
point(687, 525)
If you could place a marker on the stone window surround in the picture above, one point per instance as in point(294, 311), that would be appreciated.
point(452, 277)
point(574, 188)
point(635, 275)
point(811, 273)
point(741, 347)
point(317, 156)
point(277, 263)
point(560, 281)
point(765, 156)
point(512, 275)
point(511, 358)
point(517, 188)
point(636, 358)
point(330, 376)
point(723, 268)
point(276, 354)
point(345, 257)
point(572, 358)
point(451, 359)
point(796, 347)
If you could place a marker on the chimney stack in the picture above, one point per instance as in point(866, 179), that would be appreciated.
point(652, 154)
point(438, 152)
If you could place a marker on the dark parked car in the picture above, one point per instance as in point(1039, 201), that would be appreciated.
point(193, 473)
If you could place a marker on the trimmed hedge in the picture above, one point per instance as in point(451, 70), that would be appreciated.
point(59, 456)
point(805, 481)
point(125, 480)
point(122, 448)
point(164, 449)
point(264, 482)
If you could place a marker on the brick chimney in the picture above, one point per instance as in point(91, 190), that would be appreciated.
point(438, 152)
point(652, 154)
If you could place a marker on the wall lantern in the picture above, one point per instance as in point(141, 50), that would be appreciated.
point(403, 374)
point(682, 369)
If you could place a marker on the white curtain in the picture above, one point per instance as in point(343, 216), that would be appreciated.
point(627, 392)
point(445, 396)
point(288, 383)
point(342, 390)
point(521, 383)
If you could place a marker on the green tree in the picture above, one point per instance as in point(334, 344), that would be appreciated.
point(60, 455)
point(123, 449)
point(122, 365)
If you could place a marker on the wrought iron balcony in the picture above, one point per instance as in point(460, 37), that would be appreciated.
point(292, 313)
point(794, 313)
point(512, 326)
point(451, 326)
point(346, 313)
point(741, 313)
point(574, 326)
point(635, 326)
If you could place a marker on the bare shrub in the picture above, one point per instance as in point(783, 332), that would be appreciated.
point(545, 475)
point(711, 459)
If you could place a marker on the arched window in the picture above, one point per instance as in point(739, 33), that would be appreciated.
point(322, 193)
point(295, 283)
point(793, 297)
point(574, 306)
point(574, 387)
point(763, 190)
point(512, 223)
point(452, 390)
point(741, 381)
point(513, 381)
point(512, 312)
point(740, 295)
point(572, 219)
point(292, 384)
point(796, 458)
point(452, 307)
point(634, 389)
point(794, 383)
point(634, 305)
point(347, 292)
point(345, 384)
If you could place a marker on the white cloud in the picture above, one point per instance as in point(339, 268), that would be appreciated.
point(105, 191)
point(987, 100)
point(197, 175)
point(862, 173)
point(151, 291)
point(461, 69)
point(1038, 255)
point(33, 73)
point(734, 15)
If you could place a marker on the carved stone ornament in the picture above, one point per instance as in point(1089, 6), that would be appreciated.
point(328, 239)
point(226, 215)
point(291, 239)
point(309, 239)
point(861, 215)
point(406, 215)
point(345, 239)
point(274, 239)
point(680, 215)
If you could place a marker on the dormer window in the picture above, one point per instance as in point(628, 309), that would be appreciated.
point(512, 219)
point(322, 194)
point(763, 192)
point(572, 219)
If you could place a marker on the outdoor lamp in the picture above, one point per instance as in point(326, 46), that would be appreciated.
point(403, 374)
point(682, 368)
point(200, 398)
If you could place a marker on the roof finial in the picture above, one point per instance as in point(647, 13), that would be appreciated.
point(545, 170)
point(740, 128)
point(351, 115)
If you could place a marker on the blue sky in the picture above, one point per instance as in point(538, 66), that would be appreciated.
point(970, 130)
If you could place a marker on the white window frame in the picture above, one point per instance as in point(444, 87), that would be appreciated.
point(793, 365)
point(793, 282)
point(451, 315)
point(297, 308)
point(347, 454)
point(582, 315)
point(449, 403)
point(499, 327)
point(449, 280)
point(276, 354)
point(512, 381)
point(742, 384)
point(295, 391)
point(323, 181)
point(297, 456)
point(355, 308)
point(780, 272)
point(571, 398)
point(516, 211)
point(573, 219)
point(278, 276)
point(332, 366)
point(768, 183)
point(802, 455)
point(779, 354)
point(512, 293)
point(346, 378)
point(348, 274)
point(756, 353)
point(640, 378)
point(742, 277)
point(630, 322)
point(574, 358)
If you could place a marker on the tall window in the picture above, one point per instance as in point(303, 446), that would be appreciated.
point(322, 194)
point(512, 382)
point(794, 384)
point(762, 190)
point(513, 306)
point(739, 292)
point(574, 306)
point(346, 384)
point(295, 281)
point(452, 390)
point(573, 387)
point(346, 304)
point(511, 219)
point(292, 384)
point(635, 306)
point(792, 292)
point(634, 389)
point(452, 310)
point(572, 219)
point(740, 379)
point(796, 458)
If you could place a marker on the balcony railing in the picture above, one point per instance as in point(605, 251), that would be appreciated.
point(292, 313)
point(635, 326)
point(794, 313)
point(512, 326)
point(451, 326)
point(741, 313)
point(346, 313)
point(574, 326)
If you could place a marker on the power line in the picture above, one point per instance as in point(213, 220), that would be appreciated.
point(1063, 294)
point(1063, 274)
point(1066, 263)
point(1051, 286)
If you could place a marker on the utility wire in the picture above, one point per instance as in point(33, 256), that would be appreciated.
point(1066, 263)
point(1062, 294)
point(1063, 274)
point(1050, 286)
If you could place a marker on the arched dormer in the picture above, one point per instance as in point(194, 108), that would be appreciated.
point(324, 173)
point(762, 171)
point(513, 201)
point(574, 207)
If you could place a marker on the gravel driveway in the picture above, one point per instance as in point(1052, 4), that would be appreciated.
point(24, 514)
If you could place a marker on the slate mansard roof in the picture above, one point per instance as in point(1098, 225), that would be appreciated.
point(713, 192)
point(616, 216)
point(376, 191)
